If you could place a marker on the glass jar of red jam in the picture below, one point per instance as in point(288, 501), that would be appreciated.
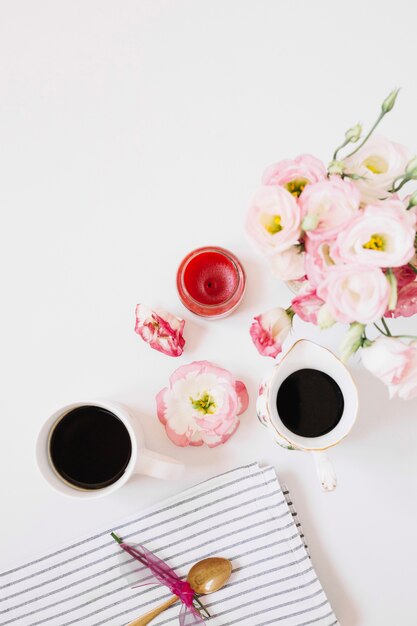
point(211, 282)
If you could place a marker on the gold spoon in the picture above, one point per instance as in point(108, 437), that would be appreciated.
point(205, 577)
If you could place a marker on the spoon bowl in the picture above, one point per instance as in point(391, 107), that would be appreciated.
point(209, 575)
point(205, 577)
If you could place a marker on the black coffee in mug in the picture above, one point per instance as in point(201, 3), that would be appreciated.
point(310, 403)
point(90, 447)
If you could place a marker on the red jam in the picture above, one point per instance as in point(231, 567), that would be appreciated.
point(211, 282)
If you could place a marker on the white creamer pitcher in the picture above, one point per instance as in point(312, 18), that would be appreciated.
point(306, 354)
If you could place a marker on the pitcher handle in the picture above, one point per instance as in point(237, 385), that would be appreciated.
point(157, 465)
point(325, 471)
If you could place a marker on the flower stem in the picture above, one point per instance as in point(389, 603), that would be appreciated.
point(402, 183)
point(385, 325)
point(413, 267)
point(345, 143)
point(381, 115)
point(404, 336)
point(116, 537)
point(379, 329)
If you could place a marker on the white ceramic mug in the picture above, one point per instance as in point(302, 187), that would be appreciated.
point(306, 354)
point(142, 461)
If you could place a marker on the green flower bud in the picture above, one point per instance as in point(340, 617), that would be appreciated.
point(411, 169)
point(392, 302)
point(356, 176)
point(324, 318)
point(352, 341)
point(309, 222)
point(354, 133)
point(412, 200)
point(336, 167)
point(389, 101)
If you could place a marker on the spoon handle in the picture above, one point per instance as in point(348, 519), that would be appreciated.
point(145, 619)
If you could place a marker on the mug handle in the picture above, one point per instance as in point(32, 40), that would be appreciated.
point(325, 471)
point(157, 465)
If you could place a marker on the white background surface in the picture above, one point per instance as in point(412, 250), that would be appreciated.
point(130, 133)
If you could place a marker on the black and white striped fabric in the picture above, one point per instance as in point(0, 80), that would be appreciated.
point(242, 515)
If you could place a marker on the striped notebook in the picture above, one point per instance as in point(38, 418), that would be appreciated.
point(242, 515)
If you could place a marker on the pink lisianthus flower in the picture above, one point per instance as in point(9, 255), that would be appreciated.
point(382, 235)
point(288, 265)
point(404, 275)
point(273, 221)
point(269, 331)
point(295, 174)
point(355, 293)
point(201, 405)
point(395, 364)
point(307, 304)
point(161, 330)
point(327, 206)
point(406, 305)
point(379, 161)
point(318, 259)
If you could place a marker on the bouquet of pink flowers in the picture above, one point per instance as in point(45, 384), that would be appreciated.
point(346, 236)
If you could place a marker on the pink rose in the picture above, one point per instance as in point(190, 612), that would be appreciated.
point(161, 330)
point(269, 331)
point(406, 301)
point(354, 293)
point(382, 235)
point(201, 405)
point(307, 304)
point(379, 162)
point(295, 174)
point(273, 221)
point(288, 265)
point(327, 206)
point(317, 259)
point(395, 364)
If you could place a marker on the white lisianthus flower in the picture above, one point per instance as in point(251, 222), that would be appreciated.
point(379, 162)
point(354, 293)
point(273, 221)
point(201, 405)
point(395, 364)
point(288, 265)
point(382, 235)
point(269, 331)
point(327, 206)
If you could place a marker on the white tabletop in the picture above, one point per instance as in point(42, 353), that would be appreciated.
point(130, 133)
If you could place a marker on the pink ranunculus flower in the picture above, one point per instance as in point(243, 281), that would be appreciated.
point(201, 405)
point(295, 174)
point(355, 293)
point(318, 259)
point(406, 301)
point(273, 221)
point(269, 331)
point(395, 364)
point(327, 206)
point(161, 330)
point(379, 162)
point(307, 304)
point(382, 235)
point(288, 265)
